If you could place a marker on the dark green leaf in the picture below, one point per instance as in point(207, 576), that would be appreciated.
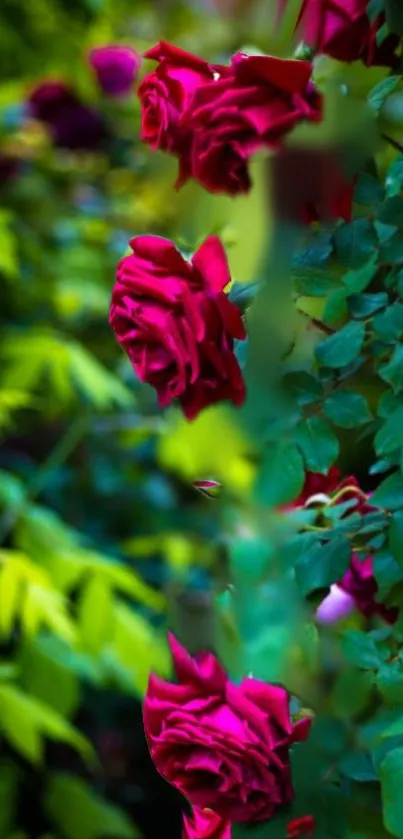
point(313, 282)
point(391, 774)
point(389, 493)
point(363, 305)
point(381, 91)
point(303, 387)
point(355, 243)
point(396, 537)
point(392, 251)
point(391, 211)
point(360, 649)
point(388, 326)
point(360, 278)
point(336, 307)
point(368, 190)
point(318, 444)
point(392, 372)
point(281, 476)
point(342, 348)
point(347, 409)
point(321, 565)
point(316, 251)
point(359, 767)
point(390, 436)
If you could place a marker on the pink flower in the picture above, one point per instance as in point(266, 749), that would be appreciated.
point(254, 106)
point(204, 824)
point(342, 30)
point(226, 747)
point(176, 323)
point(72, 124)
point(166, 92)
point(116, 68)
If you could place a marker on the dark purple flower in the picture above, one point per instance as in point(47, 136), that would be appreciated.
point(116, 68)
point(72, 124)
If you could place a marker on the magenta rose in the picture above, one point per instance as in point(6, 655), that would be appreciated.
point(226, 747)
point(343, 30)
point(165, 94)
point(176, 323)
point(254, 106)
point(205, 824)
point(72, 124)
point(116, 68)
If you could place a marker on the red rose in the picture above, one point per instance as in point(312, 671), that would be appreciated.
point(224, 746)
point(342, 30)
point(254, 106)
point(204, 824)
point(166, 93)
point(177, 325)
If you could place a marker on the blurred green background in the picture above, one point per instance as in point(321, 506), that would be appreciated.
point(104, 541)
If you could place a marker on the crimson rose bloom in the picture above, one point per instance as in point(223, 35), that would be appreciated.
point(72, 124)
point(224, 746)
point(342, 30)
point(166, 93)
point(177, 325)
point(251, 107)
point(116, 68)
point(205, 824)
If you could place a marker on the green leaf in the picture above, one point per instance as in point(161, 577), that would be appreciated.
point(390, 436)
point(396, 537)
point(388, 326)
point(336, 308)
point(360, 649)
point(81, 814)
point(320, 565)
point(392, 372)
point(392, 251)
point(303, 387)
point(389, 493)
point(351, 693)
point(381, 91)
point(391, 776)
point(95, 614)
point(25, 721)
point(313, 282)
point(318, 444)
point(347, 409)
point(342, 348)
point(281, 476)
point(391, 211)
point(316, 251)
point(359, 767)
point(356, 243)
point(368, 190)
point(357, 280)
point(363, 305)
